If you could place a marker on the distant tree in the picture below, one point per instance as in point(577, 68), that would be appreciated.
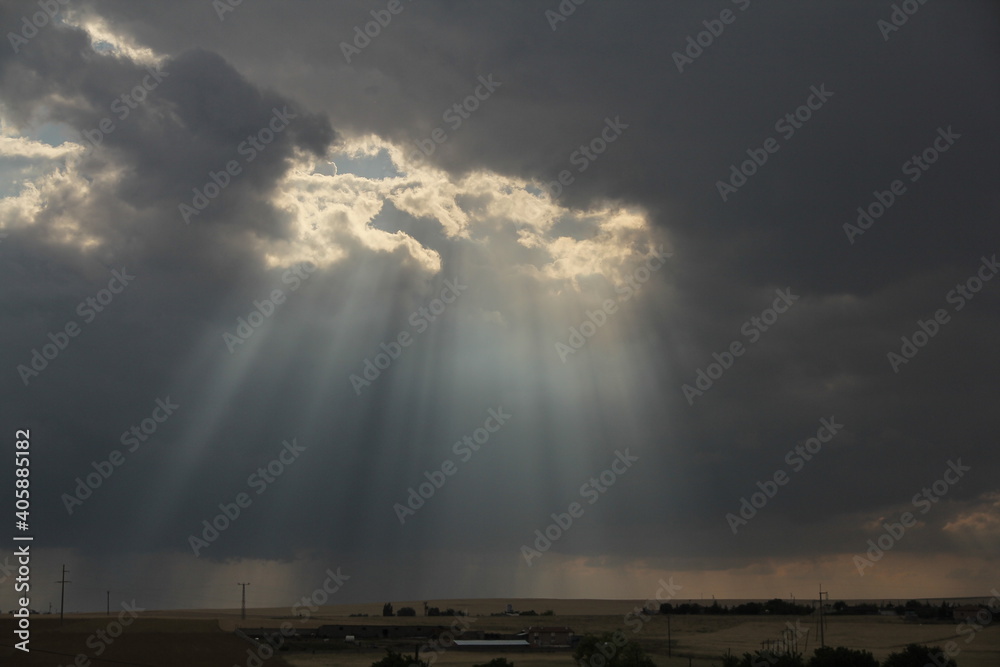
point(916, 655)
point(530, 612)
point(548, 612)
point(387, 609)
point(859, 609)
point(406, 611)
point(393, 659)
point(828, 656)
point(433, 611)
point(611, 649)
point(780, 607)
point(666, 608)
point(496, 662)
point(749, 609)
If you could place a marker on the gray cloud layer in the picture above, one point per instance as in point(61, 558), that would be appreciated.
point(494, 347)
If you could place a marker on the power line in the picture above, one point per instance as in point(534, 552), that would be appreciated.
point(243, 614)
point(62, 594)
point(822, 621)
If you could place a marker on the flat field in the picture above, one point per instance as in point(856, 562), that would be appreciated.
point(204, 637)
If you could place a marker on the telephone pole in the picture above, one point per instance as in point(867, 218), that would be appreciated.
point(244, 585)
point(109, 603)
point(670, 653)
point(822, 638)
point(62, 594)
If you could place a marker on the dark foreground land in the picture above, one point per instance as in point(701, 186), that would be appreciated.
point(196, 638)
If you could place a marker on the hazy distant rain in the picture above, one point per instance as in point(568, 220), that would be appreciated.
point(592, 490)
point(464, 449)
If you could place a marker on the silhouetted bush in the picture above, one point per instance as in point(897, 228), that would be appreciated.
point(611, 649)
point(496, 662)
point(393, 659)
point(841, 657)
point(916, 655)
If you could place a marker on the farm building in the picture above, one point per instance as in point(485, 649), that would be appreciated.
point(491, 645)
point(548, 636)
point(274, 633)
point(380, 631)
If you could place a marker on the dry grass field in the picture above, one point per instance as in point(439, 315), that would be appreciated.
point(151, 641)
point(205, 637)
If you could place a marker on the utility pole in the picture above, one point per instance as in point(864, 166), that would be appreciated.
point(669, 650)
point(62, 594)
point(822, 638)
point(109, 603)
point(244, 585)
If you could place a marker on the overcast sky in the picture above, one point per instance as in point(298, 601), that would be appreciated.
point(225, 247)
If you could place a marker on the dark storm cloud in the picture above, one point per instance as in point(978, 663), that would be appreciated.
point(686, 128)
point(825, 357)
